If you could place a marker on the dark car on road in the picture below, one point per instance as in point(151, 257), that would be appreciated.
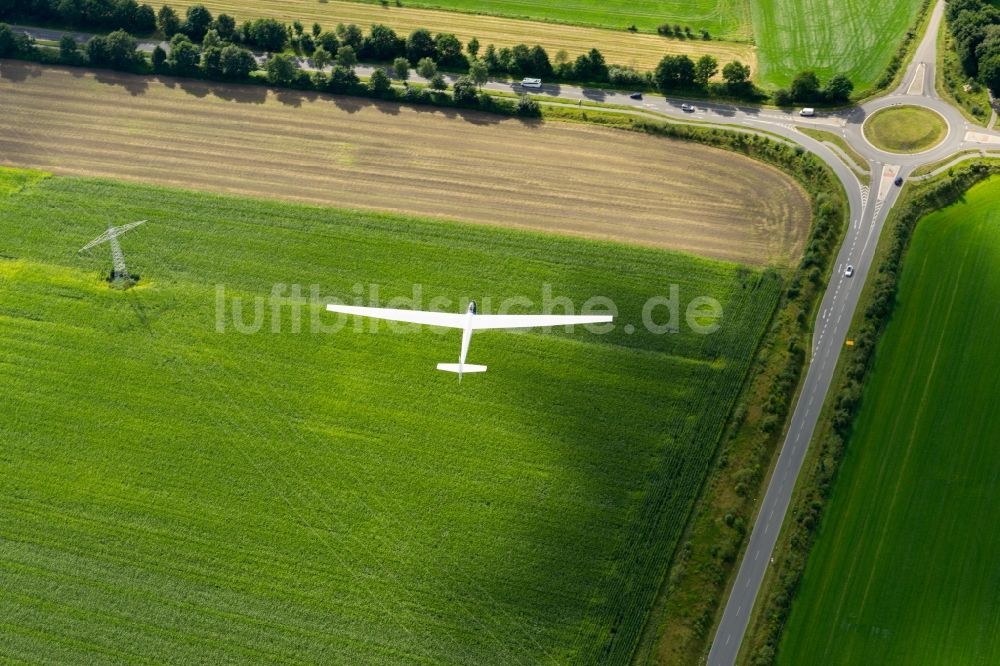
point(636, 95)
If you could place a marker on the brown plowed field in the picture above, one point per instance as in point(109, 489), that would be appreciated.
point(620, 47)
point(355, 153)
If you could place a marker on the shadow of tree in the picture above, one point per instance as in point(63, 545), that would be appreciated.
point(135, 85)
point(15, 72)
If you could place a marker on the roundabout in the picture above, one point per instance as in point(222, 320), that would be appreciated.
point(906, 129)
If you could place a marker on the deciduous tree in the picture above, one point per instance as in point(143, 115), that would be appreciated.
point(184, 55)
point(805, 87)
point(350, 35)
point(342, 80)
point(167, 21)
point(197, 22)
point(420, 45)
point(379, 82)
point(675, 71)
point(382, 44)
point(346, 57)
point(401, 68)
point(704, 69)
point(266, 34)
point(479, 72)
point(735, 73)
point(321, 58)
point(448, 49)
point(236, 62)
point(68, 49)
point(427, 68)
point(328, 41)
point(282, 69)
point(121, 51)
point(989, 73)
point(159, 59)
point(465, 91)
point(838, 89)
point(225, 25)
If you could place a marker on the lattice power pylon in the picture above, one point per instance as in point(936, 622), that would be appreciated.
point(120, 272)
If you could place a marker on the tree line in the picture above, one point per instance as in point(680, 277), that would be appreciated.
point(975, 25)
point(220, 60)
point(226, 56)
point(806, 88)
point(348, 44)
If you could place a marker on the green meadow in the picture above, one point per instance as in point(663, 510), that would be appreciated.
point(904, 569)
point(853, 37)
point(727, 19)
point(180, 484)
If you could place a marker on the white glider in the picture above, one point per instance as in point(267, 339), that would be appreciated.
point(468, 322)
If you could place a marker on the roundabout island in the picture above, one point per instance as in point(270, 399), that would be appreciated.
point(905, 129)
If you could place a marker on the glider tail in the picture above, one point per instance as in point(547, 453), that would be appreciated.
point(461, 368)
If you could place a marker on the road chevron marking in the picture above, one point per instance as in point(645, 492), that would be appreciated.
point(878, 209)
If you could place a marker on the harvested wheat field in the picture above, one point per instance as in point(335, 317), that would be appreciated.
point(355, 153)
point(640, 50)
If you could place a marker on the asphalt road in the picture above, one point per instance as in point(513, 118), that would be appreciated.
point(146, 45)
point(868, 213)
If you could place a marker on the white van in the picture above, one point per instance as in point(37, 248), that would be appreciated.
point(531, 83)
point(808, 112)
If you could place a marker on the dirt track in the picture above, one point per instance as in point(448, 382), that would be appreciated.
point(350, 152)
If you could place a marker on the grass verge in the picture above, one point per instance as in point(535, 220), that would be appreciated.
point(855, 160)
point(965, 155)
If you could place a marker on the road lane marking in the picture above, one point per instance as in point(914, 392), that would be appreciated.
point(917, 84)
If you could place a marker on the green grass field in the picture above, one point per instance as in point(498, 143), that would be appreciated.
point(853, 37)
point(905, 129)
point(728, 19)
point(904, 570)
point(172, 493)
